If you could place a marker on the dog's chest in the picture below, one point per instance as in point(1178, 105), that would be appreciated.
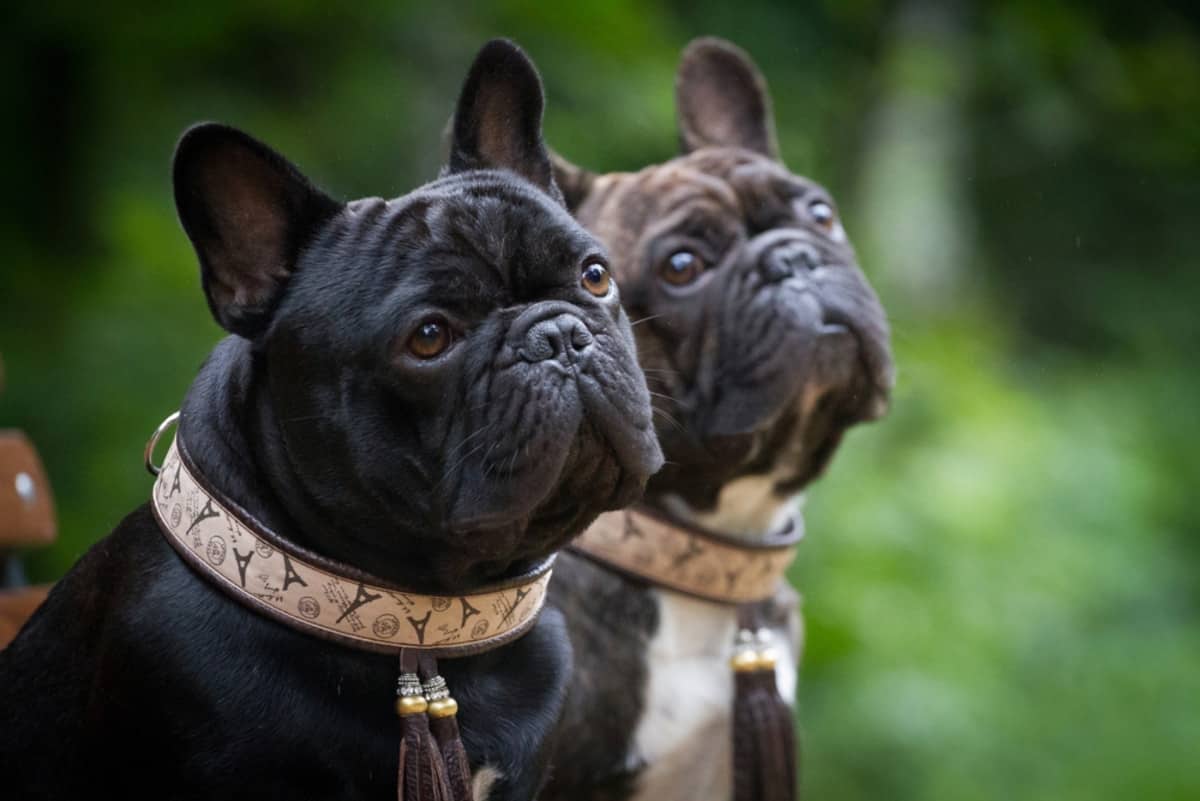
point(684, 737)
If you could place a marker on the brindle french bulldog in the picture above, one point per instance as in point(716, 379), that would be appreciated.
point(439, 389)
point(763, 340)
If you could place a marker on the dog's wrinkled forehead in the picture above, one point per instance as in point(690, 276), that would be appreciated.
point(738, 183)
point(470, 237)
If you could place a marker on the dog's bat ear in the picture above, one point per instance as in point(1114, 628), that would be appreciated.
point(248, 212)
point(722, 100)
point(574, 181)
point(498, 121)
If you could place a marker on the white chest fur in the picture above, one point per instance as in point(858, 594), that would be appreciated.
point(482, 782)
point(685, 734)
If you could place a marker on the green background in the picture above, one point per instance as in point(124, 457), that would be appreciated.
point(1001, 577)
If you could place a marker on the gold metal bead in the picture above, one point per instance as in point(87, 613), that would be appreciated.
point(744, 662)
point(443, 708)
point(411, 705)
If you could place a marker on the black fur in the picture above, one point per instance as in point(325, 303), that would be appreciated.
point(138, 679)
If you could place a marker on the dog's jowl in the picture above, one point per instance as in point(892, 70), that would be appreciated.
point(762, 342)
point(420, 401)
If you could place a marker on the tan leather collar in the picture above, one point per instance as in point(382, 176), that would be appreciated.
point(690, 559)
point(321, 597)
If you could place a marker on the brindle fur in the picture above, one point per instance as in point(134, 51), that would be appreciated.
point(755, 371)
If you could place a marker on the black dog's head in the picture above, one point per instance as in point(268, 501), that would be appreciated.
point(448, 379)
point(753, 319)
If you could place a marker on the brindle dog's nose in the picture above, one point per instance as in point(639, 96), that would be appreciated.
point(564, 335)
point(789, 259)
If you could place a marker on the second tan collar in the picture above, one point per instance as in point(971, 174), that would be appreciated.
point(689, 559)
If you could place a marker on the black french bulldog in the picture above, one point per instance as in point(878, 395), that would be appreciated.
point(764, 342)
point(439, 389)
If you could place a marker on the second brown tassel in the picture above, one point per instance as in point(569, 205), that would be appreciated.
point(443, 722)
point(764, 740)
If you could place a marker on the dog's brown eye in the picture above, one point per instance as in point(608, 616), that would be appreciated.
point(596, 279)
point(431, 338)
point(682, 268)
point(822, 213)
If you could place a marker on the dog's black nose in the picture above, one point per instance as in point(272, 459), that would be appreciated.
point(789, 259)
point(559, 336)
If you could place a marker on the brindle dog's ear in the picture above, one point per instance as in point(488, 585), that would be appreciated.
point(575, 182)
point(498, 122)
point(722, 99)
point(248, 212)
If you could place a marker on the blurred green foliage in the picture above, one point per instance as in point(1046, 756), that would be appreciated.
point(1001, 578)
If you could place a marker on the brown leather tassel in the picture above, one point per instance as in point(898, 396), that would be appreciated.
point(422, 772)
point(443, 722)
point(764, 739)
point(458, 769)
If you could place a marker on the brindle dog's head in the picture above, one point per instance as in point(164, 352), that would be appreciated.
point(446, 384)
point(757, 331)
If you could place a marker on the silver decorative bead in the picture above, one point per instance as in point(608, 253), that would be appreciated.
point(435, 689)
point(409, 684)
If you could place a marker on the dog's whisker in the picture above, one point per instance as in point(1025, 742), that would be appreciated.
point(647, 318)
point(483, 429)
point(668, 418)
point(451, 470)
point(512, 463)
point(487, 471)
point(454, 453)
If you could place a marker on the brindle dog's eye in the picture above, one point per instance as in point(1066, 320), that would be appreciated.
point(431, 338)
point(822, 213)
point(595, 279)
point(682, 268)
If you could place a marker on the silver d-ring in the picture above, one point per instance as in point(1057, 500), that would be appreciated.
point(153, 442)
